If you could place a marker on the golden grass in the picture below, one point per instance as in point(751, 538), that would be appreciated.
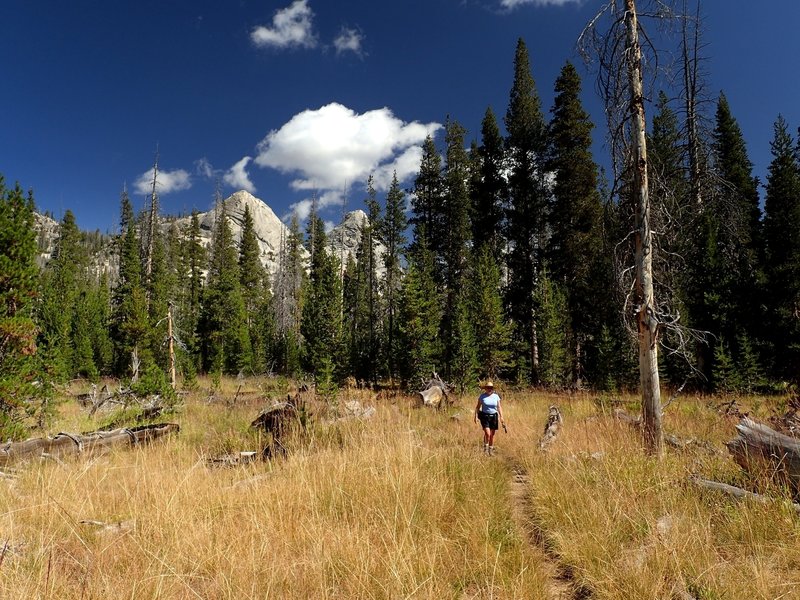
point(401, 506)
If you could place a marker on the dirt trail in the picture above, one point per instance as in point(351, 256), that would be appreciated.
point(561, 584)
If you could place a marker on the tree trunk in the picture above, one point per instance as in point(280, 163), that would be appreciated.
point(647, 323)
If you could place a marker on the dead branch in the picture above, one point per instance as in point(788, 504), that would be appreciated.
point(737, 492)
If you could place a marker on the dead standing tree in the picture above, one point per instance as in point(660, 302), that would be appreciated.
point(621, 83)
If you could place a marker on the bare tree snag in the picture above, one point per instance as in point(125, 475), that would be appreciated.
point(551, 427)
point(758, 449)
point(647, 323)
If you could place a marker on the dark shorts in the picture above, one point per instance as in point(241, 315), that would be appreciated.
point(488, 421)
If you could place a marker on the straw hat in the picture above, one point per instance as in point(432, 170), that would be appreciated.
point(487, 384)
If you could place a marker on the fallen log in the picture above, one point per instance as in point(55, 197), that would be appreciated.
point(276, 420)
point(551, 427)
point(95, 442)
point(737, 492)
point(758, 449)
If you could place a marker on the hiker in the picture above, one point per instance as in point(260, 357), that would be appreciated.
point(487, 410)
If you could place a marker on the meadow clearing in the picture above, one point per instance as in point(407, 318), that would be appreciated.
point(401, 505)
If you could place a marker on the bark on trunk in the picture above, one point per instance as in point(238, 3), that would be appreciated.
point(647, 323)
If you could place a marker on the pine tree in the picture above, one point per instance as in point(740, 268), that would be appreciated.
point(130, 326)
point(420, 314)
point(527, 215)
point(392, 234)
point(61, 284)
point(490, 191)
point(555, 366)
point(427, 205)
point(21, 394)
point(195, 259)
point(456, 330)
point(782, 241)
point(223, 323)
point(255, 288)
point(492, 332)
point(735, 207)
point(321, 324)
point(576, 245)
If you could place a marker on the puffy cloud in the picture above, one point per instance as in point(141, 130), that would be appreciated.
point(512, 4)
point(237, 176)
point(166, 182)
point(291, 26)
point(329, 198)
point(348, 40)
point(333, 146)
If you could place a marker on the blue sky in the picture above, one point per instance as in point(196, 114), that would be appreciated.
point(287, 98)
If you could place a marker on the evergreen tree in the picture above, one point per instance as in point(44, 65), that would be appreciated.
point(738, 280)
point(456, 330)
point(490, 191)
point(427, 205)
point(492, 333)
point(392, 234)
point(255, 290)
point(527, 215)
point(576, 245)
point(195, 259)
point(321, 324)
point(420, 314)
point(223, 323)
point(61, 285)
point(555, 363)
point(130, 326)
point(782, 241)
point(20, 372)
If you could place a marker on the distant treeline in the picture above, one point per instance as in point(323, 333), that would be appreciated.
point(513, 263)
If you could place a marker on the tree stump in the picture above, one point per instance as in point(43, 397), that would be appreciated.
point(551, 427)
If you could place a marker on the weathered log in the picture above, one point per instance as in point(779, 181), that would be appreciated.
point(621, 415)
point(68, 444)
point(760, 449)
point(275, 421)
point(737, 492)
point(435, 392)
point(551, 427)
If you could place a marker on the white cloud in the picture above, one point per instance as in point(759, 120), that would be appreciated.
point(512, 4)
point(203, 167)
point(328, 198)
point(166, 182)
point(237, 176)
point(348, 40)
point(333, 146)
point(291, 26)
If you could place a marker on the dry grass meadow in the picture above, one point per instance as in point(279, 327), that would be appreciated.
point(403, 505)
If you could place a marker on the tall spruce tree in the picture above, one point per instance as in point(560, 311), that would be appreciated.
point(736, 209)
point(391, 231)
point(427, 205)
point(21, 395)
point(782, 241)
point(420, 314)
point(457, 330)
point(321, 324)
point(130, 326)
point(527, 210)
point(223, 323)
point(61, 285)
point(490, 191)
point(255, 290)
point(576, 245)
point(493, 334)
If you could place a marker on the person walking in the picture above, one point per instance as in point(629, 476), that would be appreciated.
point(487, 411)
